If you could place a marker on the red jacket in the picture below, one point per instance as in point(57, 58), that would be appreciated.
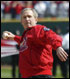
point(36, 46)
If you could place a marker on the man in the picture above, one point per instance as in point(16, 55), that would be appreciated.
point(36, 44)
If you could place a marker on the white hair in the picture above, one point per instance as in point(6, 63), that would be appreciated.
point(33, 10)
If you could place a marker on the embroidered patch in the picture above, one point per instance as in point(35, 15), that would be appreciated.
point(46, 29)
point(23, 45)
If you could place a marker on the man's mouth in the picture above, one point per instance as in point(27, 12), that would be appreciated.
point(27, 22)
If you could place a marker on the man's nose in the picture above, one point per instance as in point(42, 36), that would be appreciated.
point(27, 18)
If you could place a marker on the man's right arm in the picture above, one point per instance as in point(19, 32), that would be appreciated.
point(17, 39)
point(10, 36)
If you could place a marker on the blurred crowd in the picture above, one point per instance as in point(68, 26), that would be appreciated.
point(12, 9)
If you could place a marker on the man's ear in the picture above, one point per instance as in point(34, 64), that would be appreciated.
point(36, 20)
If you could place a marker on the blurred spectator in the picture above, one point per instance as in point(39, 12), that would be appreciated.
point(33, 3)
point(12, 9)
point(2, 9)
point(29, 4)
point(63, 9)
point(40, 7)
point(19, 7)
point(47, 11)
point(58, 3)
point(53, 9)
point(7, 10)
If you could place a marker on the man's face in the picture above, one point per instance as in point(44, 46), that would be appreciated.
point(28, 19)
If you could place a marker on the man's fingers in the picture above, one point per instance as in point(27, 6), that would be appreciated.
point(64, 52)
point(62, 56)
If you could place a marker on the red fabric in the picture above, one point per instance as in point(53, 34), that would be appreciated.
point(18, 9)
point(17, 39)
point(36, 51)
point(59, 2)
point(7, 9)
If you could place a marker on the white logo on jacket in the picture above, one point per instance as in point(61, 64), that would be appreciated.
point(23, 45)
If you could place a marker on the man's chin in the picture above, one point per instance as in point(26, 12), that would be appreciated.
point(27, 26)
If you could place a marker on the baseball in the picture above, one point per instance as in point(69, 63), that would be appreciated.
point(5, 34)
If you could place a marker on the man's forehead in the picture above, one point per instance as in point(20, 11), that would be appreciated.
point(27, 12)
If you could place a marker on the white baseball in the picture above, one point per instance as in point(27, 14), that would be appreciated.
point(5, 34)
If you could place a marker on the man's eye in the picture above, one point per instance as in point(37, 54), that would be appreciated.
point(24, 17)
point(29, 16)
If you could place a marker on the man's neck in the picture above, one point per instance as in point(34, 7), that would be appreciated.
point(29, 27)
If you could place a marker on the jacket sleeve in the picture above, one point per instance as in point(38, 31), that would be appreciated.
point(47, 36)
point(17, 39)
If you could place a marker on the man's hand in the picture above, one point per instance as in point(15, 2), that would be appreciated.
point(62, 55)
point(8, 35)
